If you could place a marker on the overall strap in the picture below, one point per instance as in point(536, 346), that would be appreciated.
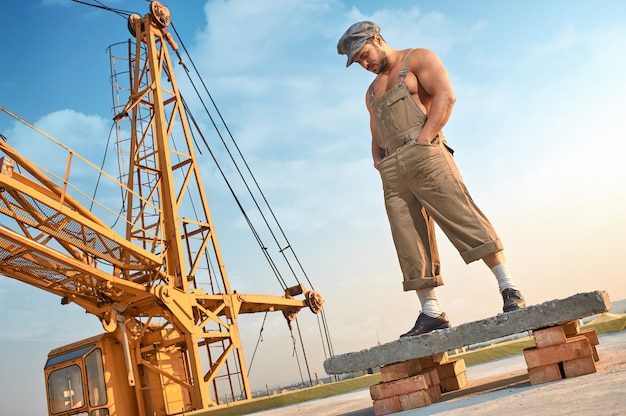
point(402, 73)
point(401, 76)
point(370, 90)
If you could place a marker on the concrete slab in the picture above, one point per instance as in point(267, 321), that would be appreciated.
point(547, 314)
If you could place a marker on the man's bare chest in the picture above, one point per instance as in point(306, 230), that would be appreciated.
point(383, 84)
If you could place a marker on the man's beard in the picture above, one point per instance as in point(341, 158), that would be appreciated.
point(383, 64)
point(382, 58)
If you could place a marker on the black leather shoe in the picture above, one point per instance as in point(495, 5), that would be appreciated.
point(426, 324)
point(513, 300)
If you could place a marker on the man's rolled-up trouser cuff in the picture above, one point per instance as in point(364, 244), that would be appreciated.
point(422, 283)
point(484, 250)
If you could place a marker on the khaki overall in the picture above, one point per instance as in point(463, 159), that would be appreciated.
point(422, 185)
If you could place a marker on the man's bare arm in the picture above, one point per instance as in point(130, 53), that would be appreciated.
point(378, 153)
point(433, 78)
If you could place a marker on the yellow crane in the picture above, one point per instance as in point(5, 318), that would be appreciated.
point(170, 346)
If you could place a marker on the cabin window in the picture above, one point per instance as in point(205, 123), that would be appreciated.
point(95, 378)
point(65, 389)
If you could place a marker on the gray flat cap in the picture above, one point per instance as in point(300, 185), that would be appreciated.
point(355, 37)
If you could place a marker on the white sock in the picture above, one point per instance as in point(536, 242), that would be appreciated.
point(503, 274)
point(429, 302)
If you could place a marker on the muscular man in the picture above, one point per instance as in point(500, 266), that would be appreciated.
point(409, 103)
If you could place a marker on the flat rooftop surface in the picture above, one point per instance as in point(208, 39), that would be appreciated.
point(502, 387)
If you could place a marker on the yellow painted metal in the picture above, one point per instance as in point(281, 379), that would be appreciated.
point(33, 207)
point(147, 279)
point(121, 399)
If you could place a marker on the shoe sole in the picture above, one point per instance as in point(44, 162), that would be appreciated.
point(441, 326)
point(516, 308)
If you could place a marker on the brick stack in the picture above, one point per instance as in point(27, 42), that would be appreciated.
point(416, 383)
point(561, 352)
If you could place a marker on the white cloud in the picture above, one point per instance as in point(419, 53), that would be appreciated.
point(76, 131)
point(260, 36)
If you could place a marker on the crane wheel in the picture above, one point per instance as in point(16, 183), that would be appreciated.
point(132, 23)
point(160, 13)
point(315, 301)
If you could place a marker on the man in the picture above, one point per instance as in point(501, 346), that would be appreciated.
point(409, 103)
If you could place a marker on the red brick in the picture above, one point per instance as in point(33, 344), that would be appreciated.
point(395, 388)
point(398, 371)
point(415, 399)
point(451, 369)
point(576, 347)
point(420, 398)
point(453, 383)
point(387, 406)
point(579, 367)
point(591, 335)
point(549, 336)
point(571, 328)
point(435, 392)
point(544, 374)
point(594, 351)
point(433, 360)
point(432, 376)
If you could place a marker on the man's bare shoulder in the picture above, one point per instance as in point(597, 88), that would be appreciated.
point(422, 56)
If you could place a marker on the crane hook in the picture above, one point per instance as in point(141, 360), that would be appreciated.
point(109, 321)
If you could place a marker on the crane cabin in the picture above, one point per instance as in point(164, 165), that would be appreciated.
point(87, 378)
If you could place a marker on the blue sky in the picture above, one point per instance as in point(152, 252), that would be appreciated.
point(538, 130)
